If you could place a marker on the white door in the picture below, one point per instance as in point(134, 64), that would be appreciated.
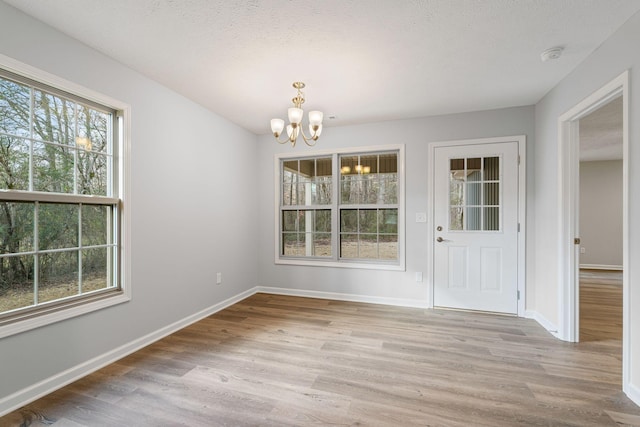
point(476, 227)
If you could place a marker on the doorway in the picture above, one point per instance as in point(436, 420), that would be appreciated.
point(568, 236)
point(600, 225)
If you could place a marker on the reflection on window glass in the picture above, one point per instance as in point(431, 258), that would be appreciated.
point(474, 194)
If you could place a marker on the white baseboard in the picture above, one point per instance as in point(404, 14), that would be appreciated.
point(400, 302)
point(633, 393)
point(549, 326)
point(51, 384)
point(601, 267)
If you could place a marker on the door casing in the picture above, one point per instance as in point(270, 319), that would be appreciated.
point(568, 215)
point(521, 140)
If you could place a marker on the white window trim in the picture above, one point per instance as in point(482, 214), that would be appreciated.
point(370, 265)
point(75, 308)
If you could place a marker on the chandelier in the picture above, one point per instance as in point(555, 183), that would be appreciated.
point(294, 128)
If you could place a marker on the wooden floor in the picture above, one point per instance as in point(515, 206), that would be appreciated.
point(288, 361)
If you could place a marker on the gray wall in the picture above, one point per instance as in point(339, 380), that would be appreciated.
point(187, 221)
point(416, 134)
point(601, 213)
point(617, 54)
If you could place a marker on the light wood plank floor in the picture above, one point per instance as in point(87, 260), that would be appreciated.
point(287, 361)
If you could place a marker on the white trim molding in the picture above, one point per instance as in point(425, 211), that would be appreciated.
point(568, 215)
point(600, 267)
point(551, 327)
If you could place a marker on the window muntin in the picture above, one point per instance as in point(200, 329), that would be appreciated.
point(59, 207)
point(474, 194)
point(359, 224)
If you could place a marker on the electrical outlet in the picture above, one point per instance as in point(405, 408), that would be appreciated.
point(218, 278)
point(583, 250)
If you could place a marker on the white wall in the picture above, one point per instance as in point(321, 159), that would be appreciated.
point(601, 213)
point(416, 134)
point(619, 53)
point(189, 219)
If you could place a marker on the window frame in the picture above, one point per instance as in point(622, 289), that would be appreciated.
point(336, 206)
point(21, 320)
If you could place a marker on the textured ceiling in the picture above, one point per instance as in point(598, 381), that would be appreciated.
point(362, 60)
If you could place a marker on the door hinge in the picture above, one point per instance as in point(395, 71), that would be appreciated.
point(518, 295)
point(518, 159)
point(518, 227)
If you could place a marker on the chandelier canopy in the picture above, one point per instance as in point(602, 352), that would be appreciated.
point(294, 128)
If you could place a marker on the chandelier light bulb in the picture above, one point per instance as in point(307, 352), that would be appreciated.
point(276, 126)
point(295, 115)
point(315, 118)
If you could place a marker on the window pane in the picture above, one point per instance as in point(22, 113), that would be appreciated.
point(14, 163)
point(95, 224)
point(293, 244)
point(368, 221)
point(95, 263)
point(14, 108)
point(473, 219)
point(92, 129)
point(368, 246)
point(370, 189)
point(348, 220)
point(290, 221)
point(16, 282)
point(388, 163)
point(16, 227)
point(349, 245)
point(92, 173)
point(322, 244)
point(290, 183)
point(57, 226)
point(58, 276)
point(323, 191)
point(323, 221)
point(388, 246)
point(54, 118)
point(389, 189)
point(388, 221)
point(52, 168)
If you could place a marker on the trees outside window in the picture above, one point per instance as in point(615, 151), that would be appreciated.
point(59, 207)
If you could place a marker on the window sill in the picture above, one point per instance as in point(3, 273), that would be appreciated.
point(341, 264)
point(55, 314)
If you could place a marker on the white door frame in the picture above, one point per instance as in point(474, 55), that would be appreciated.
point(521, 140)
point(568, 204)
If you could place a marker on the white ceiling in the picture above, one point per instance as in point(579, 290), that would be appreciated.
point(362, 60)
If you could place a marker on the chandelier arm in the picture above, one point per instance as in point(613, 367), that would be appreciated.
point(307, 140)
point(282, 142)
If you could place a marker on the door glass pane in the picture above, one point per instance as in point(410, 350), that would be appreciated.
point(491, 168)
point(473, 219)
point(491, 194)
point(492, 219)
point(474, 169)
point(473, 194)
point(456, 219)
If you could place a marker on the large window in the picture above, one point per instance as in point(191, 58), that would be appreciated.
point(59, 199)
point(341, 208)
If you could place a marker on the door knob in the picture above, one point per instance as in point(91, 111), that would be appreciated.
point(440, 239)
